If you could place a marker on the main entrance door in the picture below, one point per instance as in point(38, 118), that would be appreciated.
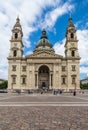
point(43, 77)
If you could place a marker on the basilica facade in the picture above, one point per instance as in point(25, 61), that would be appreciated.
point(44, 69)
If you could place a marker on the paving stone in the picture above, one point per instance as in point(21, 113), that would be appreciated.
point(43, 117)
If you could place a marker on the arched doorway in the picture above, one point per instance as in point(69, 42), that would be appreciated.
point(43, 77)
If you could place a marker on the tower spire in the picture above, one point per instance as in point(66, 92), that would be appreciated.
point(71, 45)
point(18, 27)
point(17, 24)
point(70, 22)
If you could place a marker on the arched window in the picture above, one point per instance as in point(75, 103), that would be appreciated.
point(73, 80)
point(72, 35)
point(16, 35)
point(23, 80)
point(14, 80)
point(73, 53)
point(14, 53)
point(63, 80)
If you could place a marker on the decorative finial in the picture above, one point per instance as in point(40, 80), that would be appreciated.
point(70, 15)
point(43, 32)
point(70, 19)
point(17, 20)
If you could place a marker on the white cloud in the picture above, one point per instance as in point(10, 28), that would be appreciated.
point(59, 47)
point(30, 13)
point(28, 53)
point(3, 73)
point(83, 50)
point(84, 70)
point(82, 36)
point(52, 16)
point(83, 45)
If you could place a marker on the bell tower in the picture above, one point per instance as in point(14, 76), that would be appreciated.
point(16, 47)
point(71, 45)
point(72, 57)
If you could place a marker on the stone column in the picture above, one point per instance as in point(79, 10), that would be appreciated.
point(37, 79)
point(49, 80)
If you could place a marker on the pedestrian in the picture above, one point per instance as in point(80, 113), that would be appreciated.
point(74, 93)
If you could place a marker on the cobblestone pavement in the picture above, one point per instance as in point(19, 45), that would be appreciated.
point(44, 118)
point(43, 98)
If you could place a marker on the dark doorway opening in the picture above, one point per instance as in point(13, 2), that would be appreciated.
point(43, 78)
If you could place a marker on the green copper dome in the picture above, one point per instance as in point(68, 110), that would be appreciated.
point(44, 42)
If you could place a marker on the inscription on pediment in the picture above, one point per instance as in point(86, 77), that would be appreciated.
point(44, 54)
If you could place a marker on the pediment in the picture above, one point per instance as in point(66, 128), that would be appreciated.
point(44, 54)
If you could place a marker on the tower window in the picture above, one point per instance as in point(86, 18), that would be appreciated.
point(73, 53)
point(14, 68)
point(73, 68)
point(23, 80)
point(14, 53)
point(73, 80)
point(72, 35)
point(16, 35)
point(63, 80)
point(14, 80)
point(23, 68)
point(63, 68)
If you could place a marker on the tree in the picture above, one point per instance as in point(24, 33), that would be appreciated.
point(4, 85)
point(84, 86)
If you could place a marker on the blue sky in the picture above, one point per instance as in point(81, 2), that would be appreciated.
point(35, 15)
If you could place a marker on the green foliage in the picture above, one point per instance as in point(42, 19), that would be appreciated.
point(4, 85)
point(84, 86)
